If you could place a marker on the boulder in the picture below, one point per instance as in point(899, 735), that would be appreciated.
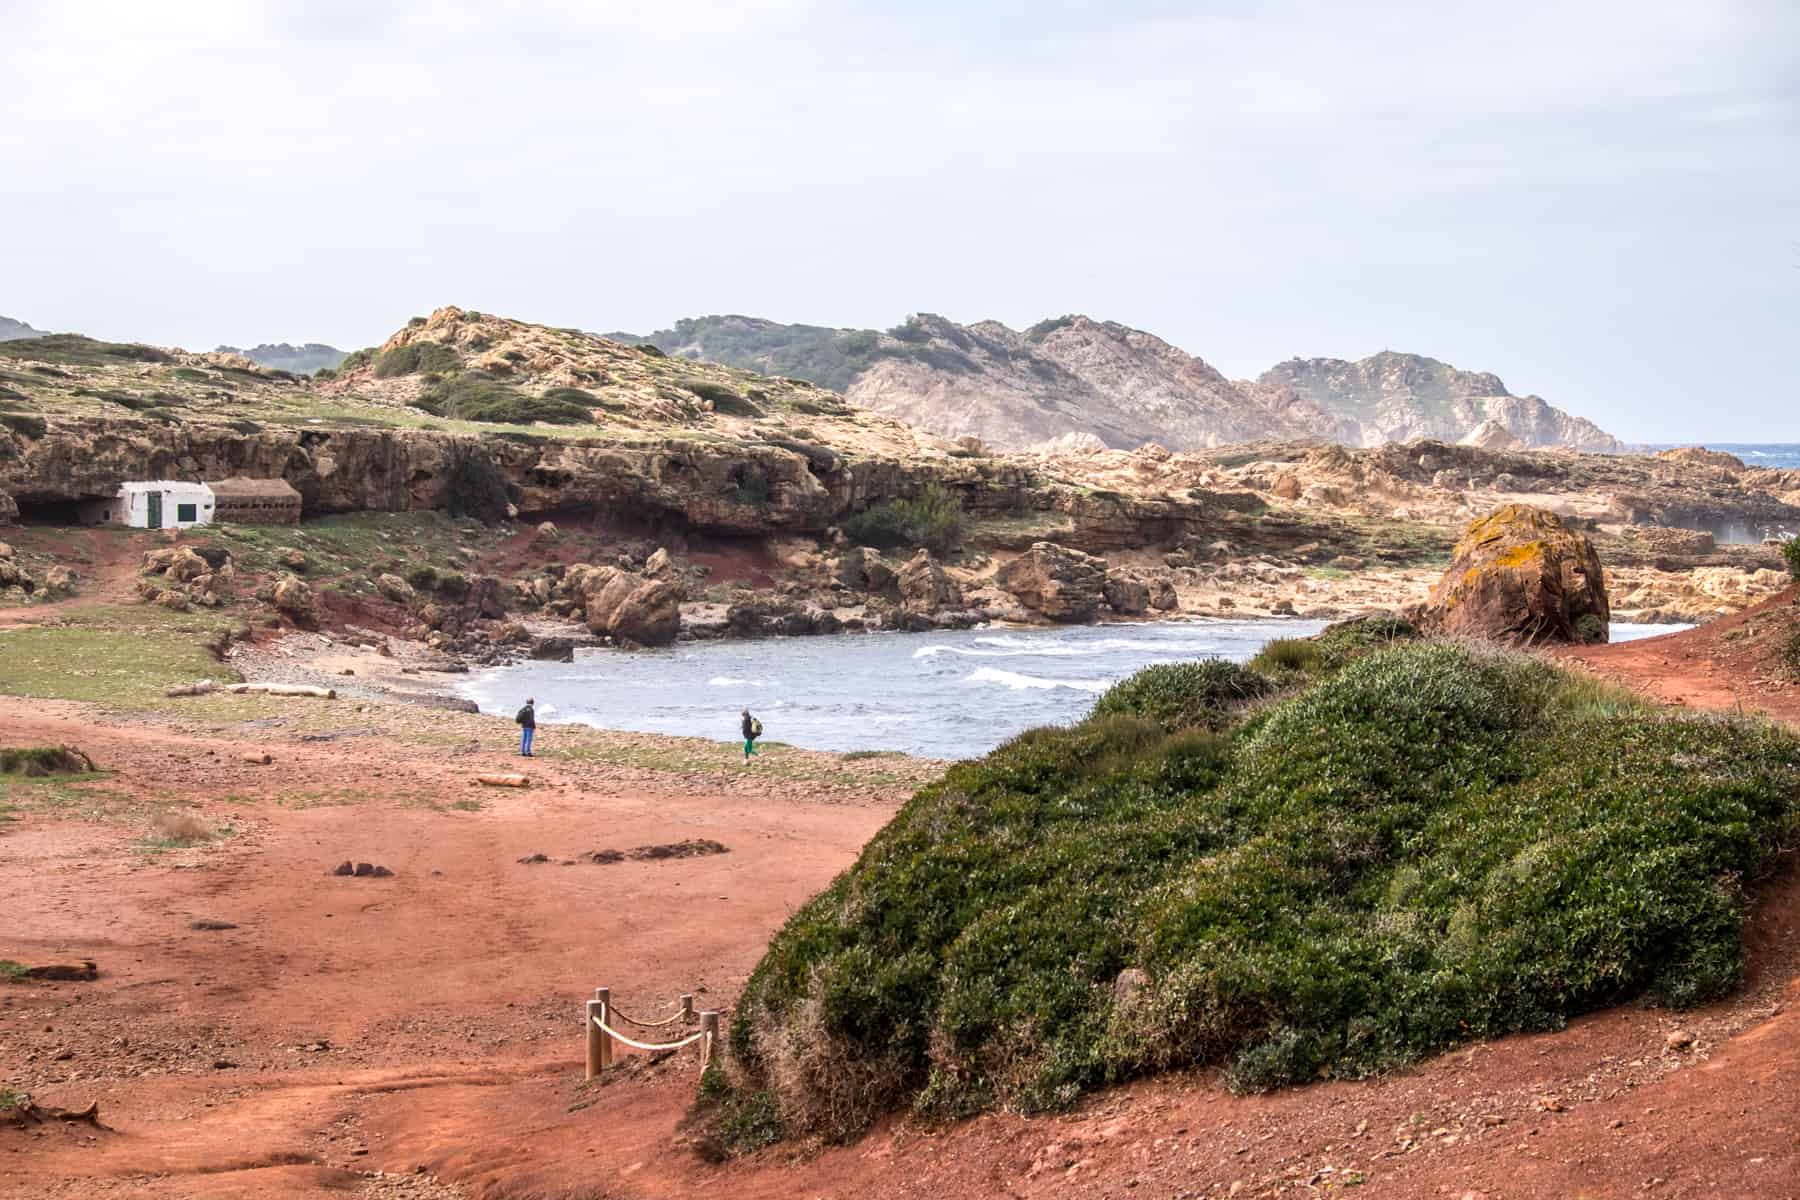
point(1056, 582)
point(9, 510)
point(628, 606)
point(547, 532)
point(59, 581)
point(394, 588)
point(553, 649)
point(862, 569)
point(1520, 575)
point(173, 600)
point(293, 597)
point(1126, 594)
point(924, 587)
point(294, 560)
point(659, 565)
point(1162, 595)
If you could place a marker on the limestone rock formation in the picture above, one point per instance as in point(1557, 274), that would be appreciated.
point(862, 569)
point(1126, 594)
point(1056, 582)
point(294, 597)
point(1520, 575)
point(924, 587)
point(632, 608)
point(392, 587)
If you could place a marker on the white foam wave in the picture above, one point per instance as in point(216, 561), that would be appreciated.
point(1067, 650)
point(732, 681)
point(1018, 682)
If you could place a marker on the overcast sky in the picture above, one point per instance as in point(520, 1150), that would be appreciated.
point(1594, 199)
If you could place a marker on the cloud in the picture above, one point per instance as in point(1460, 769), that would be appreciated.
point(1249, 180)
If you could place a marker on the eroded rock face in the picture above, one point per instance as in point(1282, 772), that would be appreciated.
point(861, 569)
point(9, 510)
point(1056, 582)
point(632, 608)
point(924, 587)
point(1520, 575)
point(394, 588)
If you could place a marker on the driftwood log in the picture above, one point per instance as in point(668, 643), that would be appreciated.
point(282, 689)
point(503, 781)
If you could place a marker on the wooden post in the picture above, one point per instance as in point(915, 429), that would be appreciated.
point(603, 997)
point(596, 1037)
point(709, 1036)
point(687, 1005)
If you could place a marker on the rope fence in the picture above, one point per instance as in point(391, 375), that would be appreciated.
point(599, 1012)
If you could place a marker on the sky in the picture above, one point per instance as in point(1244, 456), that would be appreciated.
point(1594, 199)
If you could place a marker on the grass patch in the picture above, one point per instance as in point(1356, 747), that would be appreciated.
point(1426, 845)
point(113, 657)
point(465, 806)
point(74, 350)
point(12, 972)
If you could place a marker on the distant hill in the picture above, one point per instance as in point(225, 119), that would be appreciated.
point(1396, 397)
point(1079, 376)
point(300, 360)
point(11, 330)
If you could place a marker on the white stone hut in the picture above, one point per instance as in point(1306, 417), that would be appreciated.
point(153, 504)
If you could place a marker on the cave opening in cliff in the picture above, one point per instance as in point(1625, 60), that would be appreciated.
point(51, 512)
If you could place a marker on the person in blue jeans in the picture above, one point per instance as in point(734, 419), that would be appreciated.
point(527, 720)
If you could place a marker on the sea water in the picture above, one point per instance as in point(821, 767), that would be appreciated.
point(953, 694)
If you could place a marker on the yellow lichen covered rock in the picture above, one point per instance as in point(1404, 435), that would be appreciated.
point(1520, 575)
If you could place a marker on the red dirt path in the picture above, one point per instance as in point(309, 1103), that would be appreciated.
point(449, 1009)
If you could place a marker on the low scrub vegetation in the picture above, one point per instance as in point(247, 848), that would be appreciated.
point(933, 519)
point(1407, 846)
point(474, 396)
point(36, 762)
point(474, 486)
point(1790, 550)
point(73, 350)
point(417, 358)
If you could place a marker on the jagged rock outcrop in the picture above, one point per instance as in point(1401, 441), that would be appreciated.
point(1520, 575)
point(394, 588)
point(632, 608)
point(1056, 582)
point(924, 587)
point(9, 510)
point(862, 569)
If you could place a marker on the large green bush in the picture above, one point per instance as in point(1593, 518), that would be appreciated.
point(1430, 845)
point(933, 519)
point(1790, 550)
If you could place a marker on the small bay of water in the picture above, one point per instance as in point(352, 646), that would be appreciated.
point(953, 694)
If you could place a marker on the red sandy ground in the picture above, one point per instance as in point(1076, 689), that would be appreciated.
point(447, 1002)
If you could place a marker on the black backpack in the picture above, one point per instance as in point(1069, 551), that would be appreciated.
point(525, 714)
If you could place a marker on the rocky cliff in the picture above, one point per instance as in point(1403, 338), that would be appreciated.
point(1078, 377)
point(1392, 397)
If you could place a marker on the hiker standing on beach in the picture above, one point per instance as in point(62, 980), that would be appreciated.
point(752, 731)
point(527, 720)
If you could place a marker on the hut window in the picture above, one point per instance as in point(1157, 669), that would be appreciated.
point(187, 512)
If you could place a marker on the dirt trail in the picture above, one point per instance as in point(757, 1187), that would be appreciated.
point(427, 1026)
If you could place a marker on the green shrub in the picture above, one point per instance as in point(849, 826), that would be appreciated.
point(38, 761)
point(1428, 846)
point(1790, 550)
point(933, 519)
point(474, 396)
point(417, 358)
point(1790, 655)
point(723, 399)
point(24, 424)
point(423, 577)
point(474, 486)
point(750, 484)
point(1184, 695)
point(453, 584)
point(1289, 655)
point(356, 360)
point(1340, 643)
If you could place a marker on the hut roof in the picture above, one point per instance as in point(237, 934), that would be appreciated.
point(240, 488)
